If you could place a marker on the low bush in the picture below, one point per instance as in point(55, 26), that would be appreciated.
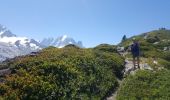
point(146, 85)
point(68, 73)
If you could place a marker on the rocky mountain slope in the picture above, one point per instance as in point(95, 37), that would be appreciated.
point(12, 45)
point(151, 84)
point(159, 39)
point(154, 44)
point(60, 42)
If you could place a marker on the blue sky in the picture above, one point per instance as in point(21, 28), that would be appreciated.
point(91, 21)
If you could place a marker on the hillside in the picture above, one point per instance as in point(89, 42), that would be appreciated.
point(90, 73)
point(153, 44)
point(67, 73)
point(149, 84)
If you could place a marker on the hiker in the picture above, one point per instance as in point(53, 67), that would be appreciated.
point(135, 49)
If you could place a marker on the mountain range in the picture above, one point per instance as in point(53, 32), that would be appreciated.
point(12, 45)
point(60, 42)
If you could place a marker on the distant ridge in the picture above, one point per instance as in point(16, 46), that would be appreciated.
point(60, 42)
point(11, 45)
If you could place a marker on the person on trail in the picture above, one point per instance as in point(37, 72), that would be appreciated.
point(135, 49)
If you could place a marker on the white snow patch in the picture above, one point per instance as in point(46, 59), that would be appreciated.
point(70, 43)
point(12, 40)
point(1, 32)
point(64, 37)
point(34, 46)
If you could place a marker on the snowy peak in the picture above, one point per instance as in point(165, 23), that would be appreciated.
point(6, 36)
point(4, 32)
point(21, 42)
point(64, 37)
point(60, 42)
point(2, 29)
point(12, 45)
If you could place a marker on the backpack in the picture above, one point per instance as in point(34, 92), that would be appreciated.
point(135, 47)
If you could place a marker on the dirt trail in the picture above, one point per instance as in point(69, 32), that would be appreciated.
point(129, 69)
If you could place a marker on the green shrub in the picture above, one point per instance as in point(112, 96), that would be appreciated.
point(146, 85)
point(68, 73)
point(164, 63)
point(166, 56)
point(153, 39)
point(106, 48)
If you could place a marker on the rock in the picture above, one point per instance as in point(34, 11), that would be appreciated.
point(4, 72)
point(165, 48)
point(156, 43)
point(120, 49)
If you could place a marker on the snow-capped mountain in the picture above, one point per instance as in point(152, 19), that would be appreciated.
point(6, 36)
point(8, 51)
point(4, 32)
point(11, 45)
point(60, 42)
